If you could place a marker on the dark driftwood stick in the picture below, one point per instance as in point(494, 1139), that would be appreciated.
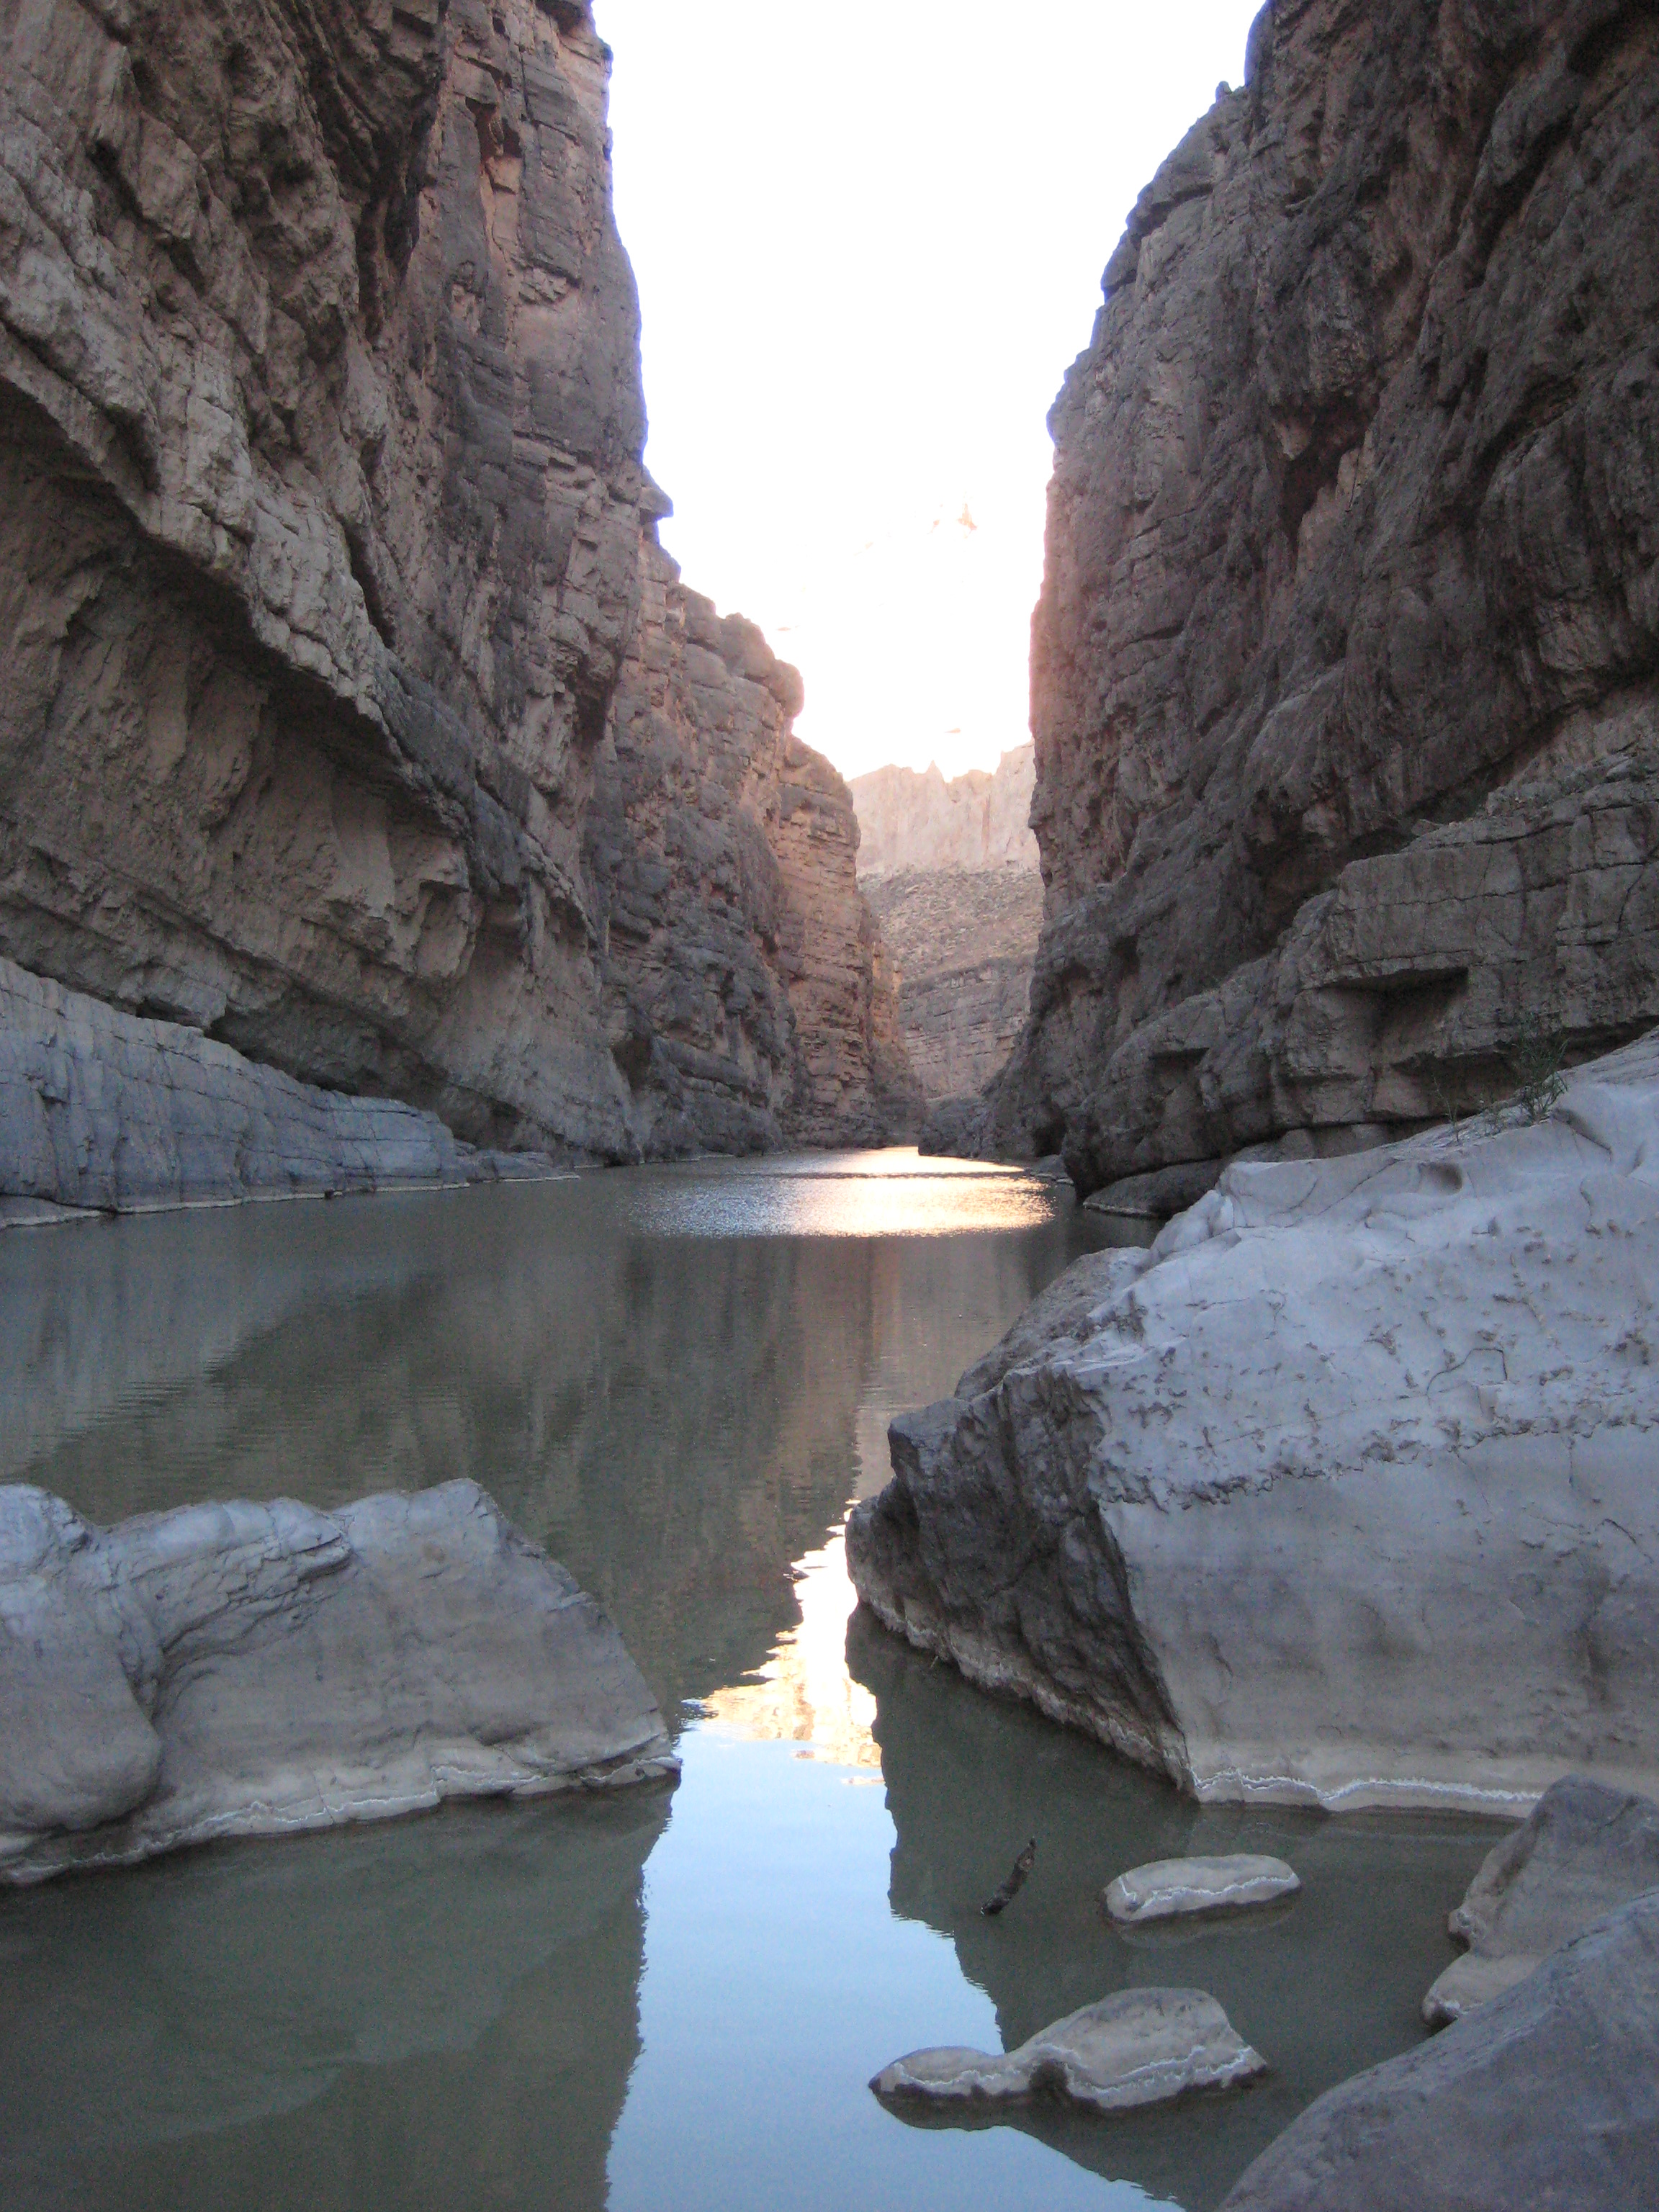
point(1010, 1888)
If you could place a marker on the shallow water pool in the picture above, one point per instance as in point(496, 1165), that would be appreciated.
point(678, 1379)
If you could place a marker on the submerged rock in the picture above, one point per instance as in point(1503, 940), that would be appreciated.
point(1343, 1492)
point(1137, 2047)
point(1548, 2098)
point(1169, 1887)
point(1585, 1850)
point(244, 1669)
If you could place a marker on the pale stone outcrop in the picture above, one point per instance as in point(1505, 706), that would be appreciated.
point(323, 530)
point(1172, 1888)
point(1343, 691)
point(950, 871)
point(1137, 2047)
point(1342, 1492)
point(914, 821)
point(1547, 2096)
point(1584, 1850)
point(240, 1669)
point(111, 1112)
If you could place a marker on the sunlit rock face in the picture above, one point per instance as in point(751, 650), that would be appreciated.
point(321, 539)
point(950, 871)
point(1340, 1494)
point(1343, 670)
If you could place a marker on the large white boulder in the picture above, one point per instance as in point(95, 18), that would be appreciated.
point(243, 1669)
point(1343, 1493)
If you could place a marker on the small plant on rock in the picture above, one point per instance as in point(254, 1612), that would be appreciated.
point(1536, 1060)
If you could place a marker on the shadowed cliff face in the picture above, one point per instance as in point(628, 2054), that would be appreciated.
point(1343, 674)
point(322, 519)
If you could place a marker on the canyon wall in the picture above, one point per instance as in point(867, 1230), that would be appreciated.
point(950, 871)
point(323, 540)
point(1346, 671)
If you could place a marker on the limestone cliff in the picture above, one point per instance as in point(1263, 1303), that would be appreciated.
point(950, 871)
point(322, 541)
point(1346, 671)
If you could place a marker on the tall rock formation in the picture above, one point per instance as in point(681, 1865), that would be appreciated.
point(950, 871)
point(1346, 672)
point(322, 540)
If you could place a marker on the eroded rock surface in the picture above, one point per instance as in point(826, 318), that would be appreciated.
point(242, 1669)
point(1171, 1888)
point(1548, 2097)
point(324, 533)
point(1137, 2047)
point(1584, 1851)
point(104, 1110)
point(1343, 682)
point(1342, 1492)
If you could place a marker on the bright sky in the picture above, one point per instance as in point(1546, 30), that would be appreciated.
point(868, 245)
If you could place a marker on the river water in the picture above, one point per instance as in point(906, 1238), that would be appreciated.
point(678, 1379)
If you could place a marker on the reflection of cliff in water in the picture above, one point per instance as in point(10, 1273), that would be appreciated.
point(441, 2012)
point(1323, 1987)
point(678, 1417)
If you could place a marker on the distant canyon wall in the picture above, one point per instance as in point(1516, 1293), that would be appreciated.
point(950, 871)
point(1346, 670)
point(332, 603)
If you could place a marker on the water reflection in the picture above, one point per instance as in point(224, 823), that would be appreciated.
point(804, 1694)
point(1323, 1987)
point(678, 1379)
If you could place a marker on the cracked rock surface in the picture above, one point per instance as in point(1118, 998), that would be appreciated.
point(1344, 685)
point(1340, 1494)
point(242, 1669)
point(1137, 2047)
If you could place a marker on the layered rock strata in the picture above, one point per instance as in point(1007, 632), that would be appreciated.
point(1340, 1493)
point(1343, 673)
point(323, 521)
point(110, 1112)
point(242, 1669)
point(950, 871)
point(749, 998)
point(1547, 2096)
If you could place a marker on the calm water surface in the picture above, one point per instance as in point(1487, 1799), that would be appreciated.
point(679, 1379)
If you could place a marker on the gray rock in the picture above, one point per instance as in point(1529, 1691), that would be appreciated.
point(961, 943)
point(246, 1670)
point(1343, 673)
point(101, 1110)
point(1138, 2047)
point(1166, 1887)
point(1547, 2097)
point(1340, 1494)
point(1584, 1849)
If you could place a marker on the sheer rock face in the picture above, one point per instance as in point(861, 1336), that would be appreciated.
point(950, 874)
point(910, 820)
point(747, 993)
point(1343, 671)
point(1340, 1493)
point(322, 520)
